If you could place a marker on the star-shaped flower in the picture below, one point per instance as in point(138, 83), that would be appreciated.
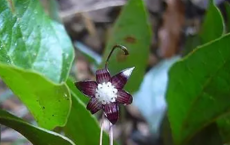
point(107, 92)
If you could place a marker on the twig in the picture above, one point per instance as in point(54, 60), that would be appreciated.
point(96, 6)
point(90, 26)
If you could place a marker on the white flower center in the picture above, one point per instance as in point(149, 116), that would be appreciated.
point(106, 93)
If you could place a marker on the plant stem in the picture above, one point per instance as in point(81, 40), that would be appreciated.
point(102, 126)
point(111, 134)
point(111, 52)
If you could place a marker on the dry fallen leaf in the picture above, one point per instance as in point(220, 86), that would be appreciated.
point(170, 32)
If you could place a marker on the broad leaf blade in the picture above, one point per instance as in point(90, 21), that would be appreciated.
point(207, 136)
point(82, 127)
point(30, 40)
point(198, 91)
point(48, 102)
point(224, 122)
point(36, 135)
point(33, 48)
point(213, 25)
point(131, 30)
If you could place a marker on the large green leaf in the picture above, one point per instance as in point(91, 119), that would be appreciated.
point(208, 136)
point(36, 135)
point(213, 25)
point(198, 90)
point(224, 122)
point(48, 102)
point(82, 127)
point(29, 40)
point(131, 30)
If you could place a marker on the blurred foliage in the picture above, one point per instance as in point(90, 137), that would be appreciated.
point(132, 31)
point(198, 86)
point(154, 84)
point(36, 135)
point(212, 27)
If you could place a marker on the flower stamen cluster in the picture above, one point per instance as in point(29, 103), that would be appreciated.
point(106, 93)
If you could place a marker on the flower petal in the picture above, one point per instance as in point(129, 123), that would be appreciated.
point(94, 105)
point(102, 75)
point(124, 97)
point(87, 87)
point(120, 79)
point(111, 112)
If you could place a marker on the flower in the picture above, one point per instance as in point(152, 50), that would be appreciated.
point(107, 92)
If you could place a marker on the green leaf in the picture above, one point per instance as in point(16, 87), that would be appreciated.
point(211, 29)
point(53, 9)
point(224, 128)
point(75, 92)
point(198, 90)
point(30, 40)
point(33, 48)
point(191, 43)
point(36, 135)
point(213, 25)
point(227, 8)
point(48, 102)
point(82, 127)
point(133, 31)
point(207, 136)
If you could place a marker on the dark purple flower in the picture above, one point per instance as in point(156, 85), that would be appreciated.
point(107, 92)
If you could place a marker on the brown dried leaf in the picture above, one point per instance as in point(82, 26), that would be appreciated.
point(170, 32)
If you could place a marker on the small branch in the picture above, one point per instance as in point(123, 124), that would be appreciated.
point(97, 6)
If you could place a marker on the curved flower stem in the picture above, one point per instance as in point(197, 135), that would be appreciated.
point(102, 126)
point(111, 52)
point(111, 134)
